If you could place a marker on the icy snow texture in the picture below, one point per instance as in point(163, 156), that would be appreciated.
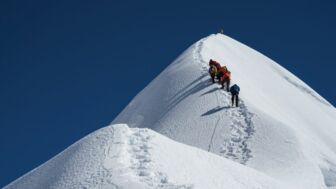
point(281, 136)
point(117, 157)
point(282, 127)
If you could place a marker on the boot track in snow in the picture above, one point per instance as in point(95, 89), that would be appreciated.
point(135, 154)
point(234, 147)
point(142, 165)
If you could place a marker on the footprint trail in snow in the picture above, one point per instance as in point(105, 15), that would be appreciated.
point(142, 165)
point(235, 145)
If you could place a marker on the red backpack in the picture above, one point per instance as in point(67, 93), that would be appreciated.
point(227, 74)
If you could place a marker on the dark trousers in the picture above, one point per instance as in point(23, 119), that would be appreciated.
point(218, 78)
point(233, 98)
point(213, 78)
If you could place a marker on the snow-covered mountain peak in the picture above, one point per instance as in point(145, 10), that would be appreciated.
point(281, 135)
point(281, 121)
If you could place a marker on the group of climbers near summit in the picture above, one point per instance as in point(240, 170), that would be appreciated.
point(223, 76)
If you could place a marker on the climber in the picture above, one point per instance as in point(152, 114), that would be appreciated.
point(213, 72)
point(234, 94)
point(215, 63)
point(224, 77)
point(227, 80)
point(214, 66)
point(220, 73)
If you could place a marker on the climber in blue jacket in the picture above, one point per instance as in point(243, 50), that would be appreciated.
point(234, 93)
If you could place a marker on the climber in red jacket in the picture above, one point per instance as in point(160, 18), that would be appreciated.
point(224, 77)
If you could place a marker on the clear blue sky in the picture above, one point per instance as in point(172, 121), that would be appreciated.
point(68, 68)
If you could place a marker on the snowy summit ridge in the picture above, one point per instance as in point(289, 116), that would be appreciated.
point(281, 135)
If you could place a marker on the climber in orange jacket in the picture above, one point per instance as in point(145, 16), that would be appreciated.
point(220, 73)
point(224, 77)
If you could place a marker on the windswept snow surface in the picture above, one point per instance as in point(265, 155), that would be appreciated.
point(118, 157)
point(282, 128)
point(281, 136)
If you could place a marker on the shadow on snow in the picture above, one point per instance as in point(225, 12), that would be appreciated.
point(215, 110)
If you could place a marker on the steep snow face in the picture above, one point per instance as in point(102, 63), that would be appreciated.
point(282, 127)
point(281, 135)
point(119, 157)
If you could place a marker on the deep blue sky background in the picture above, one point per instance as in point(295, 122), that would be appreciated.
point(68, 68)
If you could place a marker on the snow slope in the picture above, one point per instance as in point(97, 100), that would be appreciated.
point(281, 135)
point(283, 128)
point(118, 157)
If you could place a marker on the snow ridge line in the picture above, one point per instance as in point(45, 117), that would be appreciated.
point(198, 58)
point(102, 175)
point(242, 128)
point(303, 87)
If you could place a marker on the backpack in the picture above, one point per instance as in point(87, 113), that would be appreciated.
point(227, 74)
point(217, 64)
point(212, 70)
point(235, 89)
point(214, 63)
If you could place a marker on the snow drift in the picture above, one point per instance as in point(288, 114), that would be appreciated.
point(118, 157)
point(281, 135)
